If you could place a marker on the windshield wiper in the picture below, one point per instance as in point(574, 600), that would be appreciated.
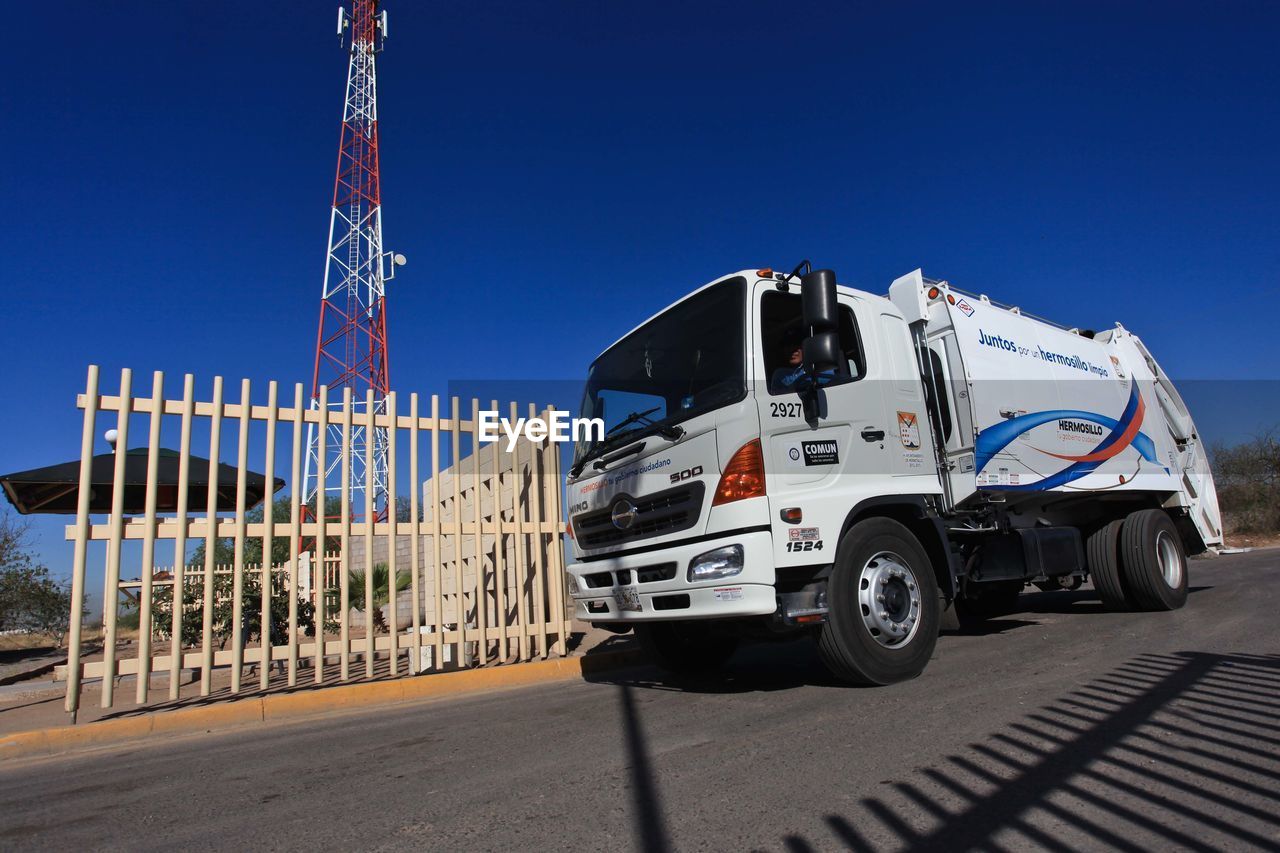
point(630, 419)
point(667, 431)
point(613, 438)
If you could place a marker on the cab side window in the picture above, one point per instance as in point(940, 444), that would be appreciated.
point(781, 333)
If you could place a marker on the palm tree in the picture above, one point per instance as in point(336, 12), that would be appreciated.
point(381, 578)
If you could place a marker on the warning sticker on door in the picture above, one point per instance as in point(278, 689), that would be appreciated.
point(909, 430)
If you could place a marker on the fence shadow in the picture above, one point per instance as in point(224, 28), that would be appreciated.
point(277, 682)
point(1173, 750)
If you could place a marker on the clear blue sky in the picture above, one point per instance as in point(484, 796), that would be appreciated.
point(557, 171)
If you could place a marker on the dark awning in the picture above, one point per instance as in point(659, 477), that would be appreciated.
point(55, 489)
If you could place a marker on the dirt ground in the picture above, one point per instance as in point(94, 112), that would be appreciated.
point(1252, 540)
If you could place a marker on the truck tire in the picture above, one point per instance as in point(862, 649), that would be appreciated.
point(1152, 561)
point(883, 608)
point(1103, 553)
point(685, 648)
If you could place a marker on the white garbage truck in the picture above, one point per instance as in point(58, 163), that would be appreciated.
point(783, 454)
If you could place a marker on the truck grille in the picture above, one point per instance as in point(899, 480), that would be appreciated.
point(648, 574)
point(657, 514)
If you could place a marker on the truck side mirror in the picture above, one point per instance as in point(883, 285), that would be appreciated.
point(821, 318)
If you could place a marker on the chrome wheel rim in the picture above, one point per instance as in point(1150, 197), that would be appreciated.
point(889, 599)
point(1170, 559)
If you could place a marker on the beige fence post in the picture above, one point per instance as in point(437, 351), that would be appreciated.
point(268, 535)
point(415, 662)
point(79, 561)
point(322, 542)
point(437, 659)
point(370, 519)
point(210, 539)
point(111, 589)
point(518, 538)
point(237, 577)
point(460, 603)
point(149, 538)
point(295, 536)
point(393, 657)
point(180, 538)
point(344, 582)
point(556, 553)
point(482, 596)
point(540, 576)
point(499, 548)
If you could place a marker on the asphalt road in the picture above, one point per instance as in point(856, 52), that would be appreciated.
point(1060, 727)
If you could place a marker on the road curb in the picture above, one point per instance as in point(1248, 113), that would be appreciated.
point(238, 713)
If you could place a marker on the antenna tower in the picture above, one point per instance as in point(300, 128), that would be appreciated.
point(351, 343)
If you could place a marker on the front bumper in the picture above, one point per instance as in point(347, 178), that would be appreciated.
point(661, 598)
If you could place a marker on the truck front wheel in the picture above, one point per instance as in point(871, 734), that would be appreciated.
point(883, 609)
point(686, 648)
point(1153, 561)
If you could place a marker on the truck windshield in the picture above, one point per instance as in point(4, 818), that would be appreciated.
point(688, 360)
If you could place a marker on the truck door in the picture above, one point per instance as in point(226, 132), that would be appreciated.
point(825, 466)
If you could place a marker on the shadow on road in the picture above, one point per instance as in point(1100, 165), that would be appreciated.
point(1174, 750)
point(651, 825)
point(1166, 750)
point(754, 668)
point(1030, 604)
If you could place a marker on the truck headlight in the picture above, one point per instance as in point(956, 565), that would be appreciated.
point(721, 563)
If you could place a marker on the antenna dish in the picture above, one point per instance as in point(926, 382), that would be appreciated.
point(399, 260)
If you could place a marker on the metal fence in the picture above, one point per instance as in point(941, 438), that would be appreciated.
point(481, 545)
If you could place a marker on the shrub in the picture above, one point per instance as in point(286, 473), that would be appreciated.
point(1248, 480)
point(223, 611)
point(30, 600)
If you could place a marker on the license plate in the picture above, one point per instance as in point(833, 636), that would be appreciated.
point(627, 597)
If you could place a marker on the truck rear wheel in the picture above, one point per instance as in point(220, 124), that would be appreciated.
point(1103, 552)
point(686, 648)
point(883, 609)
point(1153, 562)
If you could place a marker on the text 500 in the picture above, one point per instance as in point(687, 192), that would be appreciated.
point(686, 474)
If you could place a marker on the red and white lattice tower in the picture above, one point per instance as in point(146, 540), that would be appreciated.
point(351, 344)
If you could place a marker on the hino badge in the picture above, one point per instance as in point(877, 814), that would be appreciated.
point(780, 459)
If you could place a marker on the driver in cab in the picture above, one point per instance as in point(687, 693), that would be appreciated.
point(792, 375)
